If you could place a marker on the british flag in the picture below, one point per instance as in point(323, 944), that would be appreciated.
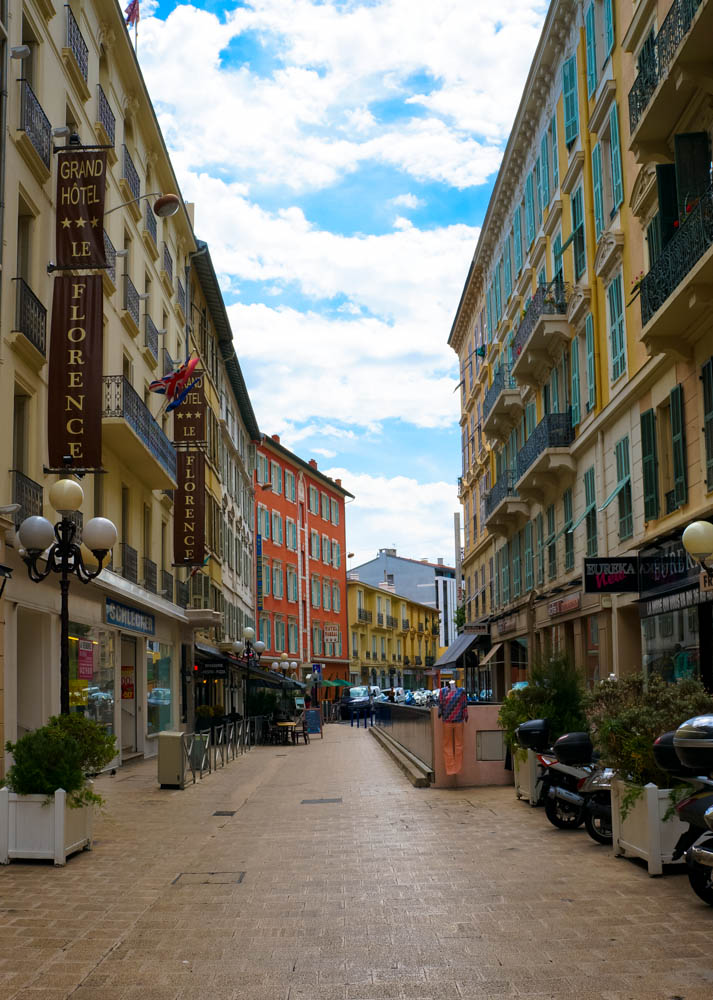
point(175, 385)
point(132, 13)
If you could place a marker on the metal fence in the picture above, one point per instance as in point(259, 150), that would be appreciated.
point(409, 726)
point(208, 749)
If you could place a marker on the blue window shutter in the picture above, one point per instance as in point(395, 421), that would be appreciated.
point(571, 111)
point(545, 162)
point(598, 193)
point(529, 211)
point(517, 232)
point(578, 245)
point(678, 441)
point(508, 270)
point(555, 154)
point(617, 185)
point(591, 369)
point(539, 203)
point(575, 382)
point(528, 556)
point(649, 465)
point(617, 334)
point(608, 26)
point(591, 50)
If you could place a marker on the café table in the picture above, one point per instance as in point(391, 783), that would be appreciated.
point(288, 729)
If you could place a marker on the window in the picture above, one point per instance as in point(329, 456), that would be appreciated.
point(276, 477)
point(326, 595)
point(622, 490)
point(538, 192)
point(507, 270)
point(317, 640)
point(292, 636)
point(266, 576)
point(263, 469)
point(264, 631)
point(540, 550)
point(516, 566)
point(678, 447)
point(336, 555)
point(545, 166)
point(325, 507)
point(529, 211)
point(598, 190)
point(555, 154)
point(314, 544)
point(591, 507)
point(336, 597)
point(517, 239)
point(653, 239)
point(277, 580)
point(528, 556)
point(326, 550)
point(505, 569)
point(291, 583)
point(551, 543)
point(590, 29)
point(617, 186)
point(575, 381)
point(591, 369)
point(707, 380)
point(580, 259)
point(649, 463)
point(280, 635)
point(316, 591)
point(276, 528)
point(569, 92)
point(313, 500)
point(617, 333)
point(335, 512)
point(568, 536)
point(290, 534)
point(289, 485)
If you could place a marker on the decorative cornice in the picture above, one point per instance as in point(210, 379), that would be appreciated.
point(609, 254)
point(579, 305)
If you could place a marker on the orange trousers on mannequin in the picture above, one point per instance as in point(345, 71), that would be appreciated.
point(453, 746)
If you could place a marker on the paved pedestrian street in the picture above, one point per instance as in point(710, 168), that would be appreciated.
point(335, 879)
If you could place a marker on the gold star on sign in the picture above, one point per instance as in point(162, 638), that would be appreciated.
point(94, 222)
point(80, 223)
point(66, 223)
point(197, 416)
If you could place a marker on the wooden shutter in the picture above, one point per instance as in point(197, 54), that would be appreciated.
point(598, 193)
point(608, 26)
point(591, 50)
point(693, 163)
point(517, 231)
point(555, 155)
point(707, 379)
point(678, 442)
point(569, 89)
point(649, 461)
point(617, 184)
point(528, 556)
point(591, 369)
point(575, 382)
point(529, 211)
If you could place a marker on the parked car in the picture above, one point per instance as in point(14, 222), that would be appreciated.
point(160, 696)
point(353, 698)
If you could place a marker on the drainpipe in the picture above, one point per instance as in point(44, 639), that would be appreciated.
point(3, 139)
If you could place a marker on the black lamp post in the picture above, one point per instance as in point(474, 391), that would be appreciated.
point(249, 652)
point(64, 556)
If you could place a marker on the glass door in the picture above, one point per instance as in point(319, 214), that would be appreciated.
point(128, 695)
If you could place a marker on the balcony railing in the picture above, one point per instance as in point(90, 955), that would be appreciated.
point(504, 487)
point(553, 431)
point(151, 335)
point(181, 295)
point(150, 223)
point(182, 594)
point(421, 627)
point(110, 251)
point(430, 660)
point(129, 562)
point(363, 615)
point(503, 380)
point(28, 494)
point(167, 366)
point(30, 316)
point(379, 618)
point(417, 661)
point(150, 575)
point(550, 300)
point(435, 630)
point(168, 262)
point(407, 661)
point(654, 66)
point(35, 123)
point(130, 174)
point(105, 116)
point(122, 400)
point(405, 624)
point(391, 622)
point(131, 299)
point(76, 43)
point(692, 239)
point(166, 585)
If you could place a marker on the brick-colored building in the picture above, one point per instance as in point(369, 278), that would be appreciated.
point(301, 561)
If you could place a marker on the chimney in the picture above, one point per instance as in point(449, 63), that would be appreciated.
point(276, 437)
point(424, 559)
point(440, 560)
point(338, 482)
point(313, 463)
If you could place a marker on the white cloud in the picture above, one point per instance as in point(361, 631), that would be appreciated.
point(324, 452)
point(408, 201)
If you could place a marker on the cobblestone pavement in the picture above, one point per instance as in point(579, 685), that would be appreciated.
point(389, 892)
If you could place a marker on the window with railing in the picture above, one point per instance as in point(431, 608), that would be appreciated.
point(110, 251)
point(122, 400)
point(150, 575)
point(30, 316)
point(130, 174)
point(166, 585)
point(131, 299)
point(76, 44)
point(35, 123)
point(105, 116)
point(151, 336)
point(129, 562)
point(181, 295)
point(168, 262)
point(28, 494)
point(150, 223)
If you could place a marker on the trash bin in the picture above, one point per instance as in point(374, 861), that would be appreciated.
point(171, 760)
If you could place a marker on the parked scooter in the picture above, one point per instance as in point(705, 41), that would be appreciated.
point(596, 791)
point(693, 746)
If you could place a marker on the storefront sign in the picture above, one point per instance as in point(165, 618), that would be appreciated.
point(258, 552)
point(189, 417)
point(508, 624)
point(214, 668)
point(674, 602)
point(611, 576)
point(477, 629)
point(85, 660)
point(706, 581)
point(74, 406)
point(331, 632)
point(127, 683)
point(81, 185)
point(189, 517)
point(564, 605)
point(668, 568)
point(128, 618)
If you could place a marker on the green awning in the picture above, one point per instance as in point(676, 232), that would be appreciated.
point(617, 489)
point(562, 530)
point(339, 683)
point(581, 518)
point(327, 684)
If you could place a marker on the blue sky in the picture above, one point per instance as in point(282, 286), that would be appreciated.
point(340, 154)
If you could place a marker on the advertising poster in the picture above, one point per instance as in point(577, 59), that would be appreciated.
point(85, 660)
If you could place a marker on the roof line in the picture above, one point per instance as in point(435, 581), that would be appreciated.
point(270, 442)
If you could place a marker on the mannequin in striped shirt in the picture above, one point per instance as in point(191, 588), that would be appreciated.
point(453, 709)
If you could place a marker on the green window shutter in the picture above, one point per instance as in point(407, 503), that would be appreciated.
point(623, 473)
point(569, 89)
point(598, 193)
point(617, 334)
point(591, 508)
point(538, 188)
point(555, 156)
point(489, 304)
point(528, 556)
point(497, 579)
point(505, 564)
point(707, 379)
point(678, 441)
point(516, 571)
point(498, 302)
point(692, 154)
point(529, 211)
point(545, 161)
point(591, 50)
point(517, 233)
point(568, 536)
point(508, 270)
point(649, 463)
point(557, 257)
point(608, 26)
point(540, 551)
point(617, 185)
point(575, 382)
point(554, 390)
point(591, 369)
point(580, 261)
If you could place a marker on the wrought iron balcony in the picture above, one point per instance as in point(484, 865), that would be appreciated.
point(168, 263)
point(502, 407)
point(150, 575)
point(30, 316)
point(182, 594)
point(548, 300)
point(553, 431)
point(168, 365)
point(363, 615)
point(129, 562)
point(150, 222)
point(405, 625)
point(28, 494)
point(131, 301)
point(502, 380)
point(505, 511)
point(407, 661)
point(150, 336)
point(181, 295)
point(76, 43)
point(430, 660)
point(146, 438)
point(35, 123)
point(435, 630)
point(167, 585)
point(545, 466)
point(130, 174)
point(105, 116)
point(420, 627)
point(684, 250)
point(110, 251)
point(379, 618)
point(417, 661)
point(391, 622)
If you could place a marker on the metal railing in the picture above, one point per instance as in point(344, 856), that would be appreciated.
point(409, 726)
point(167, 585)
point(653, 67)
point(680, 255)
point(181, 295)
point(35, 123)
point(105, 116)
point(122, 400)
point(363, 615)
point(502, 380)
point(130, 174)
point(417, 661)
point(150, 575)
point(379, 618)
point(167, 366)
point(391, 622)
point(429, 661)
point(420, 627)
point(30, 316)
point(150, 223)
point(151, 335)
point(168, 262)
point(110, 252)
point(76, 43)
point(553, 431)
point(131, 299)
point(182, 594)
point(405, 626)
point(548, 300)
point(205, 750)
point(504, 487)
point(129, 562)
point(28, 494)
point(435, 630)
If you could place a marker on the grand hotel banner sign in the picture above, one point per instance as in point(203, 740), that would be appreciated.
point(81, 188)
point(189, 509)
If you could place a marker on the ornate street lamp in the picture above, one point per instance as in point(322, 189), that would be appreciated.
point(249, 652)
point(698, 541)
point(56, 544)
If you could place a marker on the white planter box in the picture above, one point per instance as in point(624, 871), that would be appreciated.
point(644, 834)
point(31, 826)
point(525, 772)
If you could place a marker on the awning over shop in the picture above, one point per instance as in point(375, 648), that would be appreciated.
point(327, 684)
point(456, 650)
point(490, 654)
point(205, 652)
point(339, 683)
point(269, 679)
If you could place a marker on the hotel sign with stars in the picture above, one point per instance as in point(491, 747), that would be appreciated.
point(81, 187)
point(189, 418)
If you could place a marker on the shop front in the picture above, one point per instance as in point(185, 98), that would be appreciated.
point(576, 624)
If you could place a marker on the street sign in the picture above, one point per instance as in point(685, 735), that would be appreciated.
point(331, 633)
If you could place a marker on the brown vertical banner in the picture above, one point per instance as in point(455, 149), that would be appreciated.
point(189, 509)
point(81, 186)
point(74, 404)
point(189, 417)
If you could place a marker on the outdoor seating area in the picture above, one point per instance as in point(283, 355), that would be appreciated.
point(283, 732)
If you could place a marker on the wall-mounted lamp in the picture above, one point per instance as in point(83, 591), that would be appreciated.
point(61, 131)
point(20, 51)
point(165, 205)
point(5, 574)
point(161, 332)
point(122, 253)
point(698, 541)
point(144, 295)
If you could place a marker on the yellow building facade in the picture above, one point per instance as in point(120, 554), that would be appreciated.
point(393, 640)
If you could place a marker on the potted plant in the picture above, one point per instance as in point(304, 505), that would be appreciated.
point(47, 804)
point(204, 715)
point(626, 717)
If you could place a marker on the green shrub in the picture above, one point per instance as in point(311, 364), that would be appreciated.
point(60, 755)
point(555, 692)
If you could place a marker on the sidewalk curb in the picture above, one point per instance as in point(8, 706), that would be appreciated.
point(417, 774)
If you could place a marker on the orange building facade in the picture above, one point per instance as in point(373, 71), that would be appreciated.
point(301, 562)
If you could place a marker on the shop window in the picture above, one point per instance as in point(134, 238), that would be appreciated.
point(159, 687)
point(92, 681)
